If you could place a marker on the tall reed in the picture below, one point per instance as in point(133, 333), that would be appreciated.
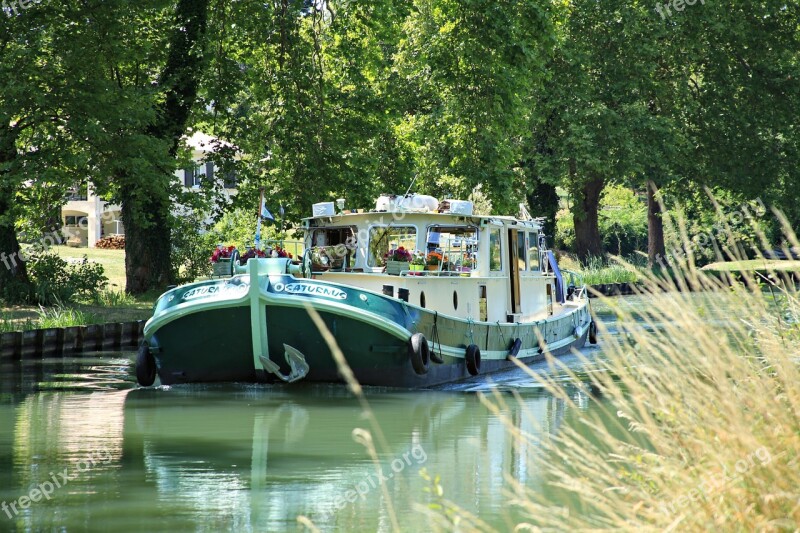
point(698, 419)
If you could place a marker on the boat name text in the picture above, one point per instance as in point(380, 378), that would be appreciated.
point(213, 290)
point(314, 290)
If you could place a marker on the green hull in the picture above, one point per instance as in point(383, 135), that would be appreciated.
point(223, 330)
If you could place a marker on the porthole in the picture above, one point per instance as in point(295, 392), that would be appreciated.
point(455, 300)
point(422, 299)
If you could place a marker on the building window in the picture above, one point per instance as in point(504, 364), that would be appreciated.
point(230, 180)
point(78, 193)
point(495, 250)
point(191, 176)
point(73, 220)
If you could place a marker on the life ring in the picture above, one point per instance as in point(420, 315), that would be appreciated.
point(473, 358)
point(145, 366)
point(592, 332)
point(419, 352)
point(235, 258)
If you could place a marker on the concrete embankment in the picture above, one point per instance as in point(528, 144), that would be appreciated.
point(59, 342)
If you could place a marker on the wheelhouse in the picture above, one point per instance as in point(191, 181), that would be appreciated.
point(486, 268)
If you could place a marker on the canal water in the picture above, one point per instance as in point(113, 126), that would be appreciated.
point(82, 448)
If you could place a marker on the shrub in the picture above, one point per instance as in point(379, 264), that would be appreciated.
point(191, 248)
point(56, 281)
point(238, 227)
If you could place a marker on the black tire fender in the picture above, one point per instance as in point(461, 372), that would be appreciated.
point(592, 332)
point(473, 358)
point(145, 366)
point(419, 352)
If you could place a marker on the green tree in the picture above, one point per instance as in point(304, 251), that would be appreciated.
point(304, 91)
point(48, 113)
point(468, 70)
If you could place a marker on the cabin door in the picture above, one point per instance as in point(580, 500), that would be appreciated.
point(513, 265)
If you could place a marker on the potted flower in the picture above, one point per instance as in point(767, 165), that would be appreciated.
point(397, 260)
point(280, 252)
point(252, 253)
point(433, 261)
point(221, 260)
point(418, 262)
point(467, 263)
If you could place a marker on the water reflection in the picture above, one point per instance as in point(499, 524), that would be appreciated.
point(254, 458)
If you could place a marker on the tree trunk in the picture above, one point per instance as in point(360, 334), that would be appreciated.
point(148, 245)
point(14, 283)
point(588, 242)
point(656, 250)
point(543, 202)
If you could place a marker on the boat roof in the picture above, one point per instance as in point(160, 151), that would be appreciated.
point(398, 217)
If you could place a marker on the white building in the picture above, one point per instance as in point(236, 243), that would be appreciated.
point(87, 218)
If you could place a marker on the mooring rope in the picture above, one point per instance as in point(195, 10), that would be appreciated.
point(503, 337)
point(435, 333)
point(471, 333)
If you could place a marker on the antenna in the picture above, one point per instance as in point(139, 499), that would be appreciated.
point(524, 214)
point(412, 184)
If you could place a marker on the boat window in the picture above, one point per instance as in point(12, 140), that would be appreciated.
point(522, 248)
point(456, 247)
point(495, 250)
point(338, 244)
point(533, 251)
point(382, 239)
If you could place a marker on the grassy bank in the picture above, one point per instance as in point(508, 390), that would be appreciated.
point(112, 306)
point(113, 262)
point(754, 265)
point(601, 272)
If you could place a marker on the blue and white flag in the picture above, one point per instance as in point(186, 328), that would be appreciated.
point(262, 214)
point(265, 212)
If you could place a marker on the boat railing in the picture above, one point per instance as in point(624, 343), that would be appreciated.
point(435, 273)
point(573, 278)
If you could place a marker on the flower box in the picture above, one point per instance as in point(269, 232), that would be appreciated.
point(395, 267)
point(416, 268)
point(222, 267)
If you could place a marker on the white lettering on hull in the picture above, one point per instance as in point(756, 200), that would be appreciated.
point(313, 290)
point(215, 290)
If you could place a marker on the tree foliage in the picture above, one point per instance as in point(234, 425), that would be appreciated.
point(343, 99)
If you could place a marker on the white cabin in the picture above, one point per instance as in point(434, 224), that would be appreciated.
point(493, 268)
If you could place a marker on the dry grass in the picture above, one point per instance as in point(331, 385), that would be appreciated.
point(698, 423)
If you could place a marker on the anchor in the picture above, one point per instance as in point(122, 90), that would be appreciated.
point(297, 362)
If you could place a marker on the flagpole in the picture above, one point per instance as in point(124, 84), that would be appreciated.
point(258, 224)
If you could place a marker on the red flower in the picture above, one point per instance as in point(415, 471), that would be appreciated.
point(222, 253)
